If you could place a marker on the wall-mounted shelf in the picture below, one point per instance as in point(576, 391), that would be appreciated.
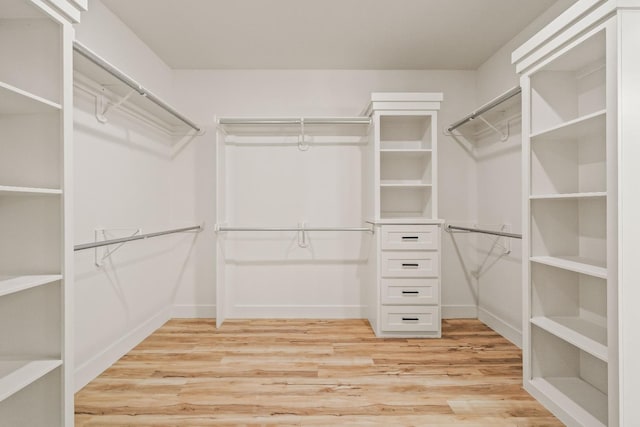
point(492, 111)
point(126, 89)
point(594, 194)
point(300, 131)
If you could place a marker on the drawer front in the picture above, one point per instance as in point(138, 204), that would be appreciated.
point(410, 264)
point(410, 318)
point(410, 291)
point(411, 237)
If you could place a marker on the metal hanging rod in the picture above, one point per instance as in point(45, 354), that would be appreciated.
point(136, 237)
point(115, 72)
point(486, 107)
point(296, 121)
point(227, 228)
point(479, 230)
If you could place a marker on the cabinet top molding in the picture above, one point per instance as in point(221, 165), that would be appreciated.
point(412, 101)
point(575, 21)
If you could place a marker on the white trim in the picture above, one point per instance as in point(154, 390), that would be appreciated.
point(251, 311)
point(499, 325)
point(101, 361)
point(459, 312)
point(193, 311)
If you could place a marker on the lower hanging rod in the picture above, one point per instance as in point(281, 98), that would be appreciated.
point(478, 230)
point(132, 238)
point(225, 228)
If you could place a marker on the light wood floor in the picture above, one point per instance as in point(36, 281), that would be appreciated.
point(312, 372)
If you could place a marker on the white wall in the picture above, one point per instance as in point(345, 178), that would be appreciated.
point(205, 94)
point(123, 172)
point(499, 192)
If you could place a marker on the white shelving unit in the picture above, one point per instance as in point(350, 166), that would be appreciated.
point(572, 140)
point(35, 204)
point(405, 276)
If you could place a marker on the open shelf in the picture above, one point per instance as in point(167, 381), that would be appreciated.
point(406, 183)
point(572, 163)
point(17, 374)
point(570, 233)
point(577, 128)
point(576, 264)
point(594, 194)
point(568, 94)
point(579, 398)
point(9, 285)
point(409, 151)
point(405, 132)
point(569, 377)
point(17, 101)
point(585, 335)
point(9, 190)
point(405, 202)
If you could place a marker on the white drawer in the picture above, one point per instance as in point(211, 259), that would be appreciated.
point(410, 291)
point(410, 237)
point(410, 264)
point(418, 318)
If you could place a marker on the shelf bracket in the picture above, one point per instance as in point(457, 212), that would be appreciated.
point(102, 253)
point(302, 143)
point(104, 105)
point(302, 235)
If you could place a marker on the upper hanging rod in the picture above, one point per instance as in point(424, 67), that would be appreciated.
point(96, 59)
point(478, 230)
point(486, 107)
point(136, 237)
point(228, 228)
point(295, 121)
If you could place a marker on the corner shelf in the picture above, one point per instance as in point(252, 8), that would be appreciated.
point(17, 101)
point(583, 334)
point(573, 263)
point(10, 285)
point(18, 374)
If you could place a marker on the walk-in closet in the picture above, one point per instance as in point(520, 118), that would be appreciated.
point(281, 212)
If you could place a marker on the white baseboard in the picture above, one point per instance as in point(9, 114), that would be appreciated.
point(195, 311)
point(459, 312)
point(298, 312)
point(500, 326)
point(89, 370)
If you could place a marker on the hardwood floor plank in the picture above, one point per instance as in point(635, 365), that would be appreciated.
point(312, 372)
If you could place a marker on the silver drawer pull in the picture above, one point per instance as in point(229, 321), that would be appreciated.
point(410, 319)
point(410, 292)
point(410, 237)
point(410, 265)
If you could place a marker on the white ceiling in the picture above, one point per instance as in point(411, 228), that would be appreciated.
point(326, 34)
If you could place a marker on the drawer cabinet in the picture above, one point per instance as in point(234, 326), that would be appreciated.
point(409, 280)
